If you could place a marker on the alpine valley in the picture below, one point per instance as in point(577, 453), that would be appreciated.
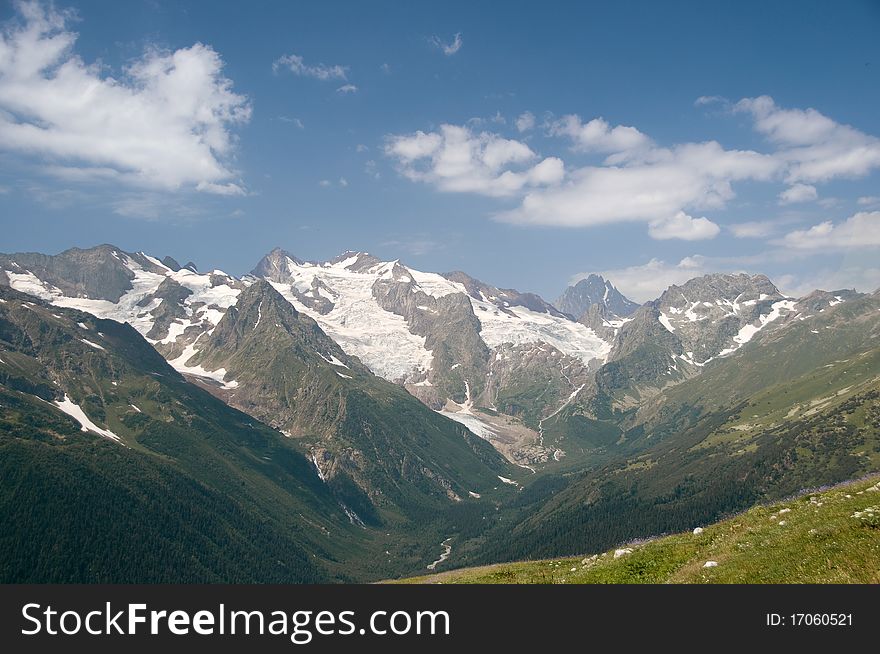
point(357, 419)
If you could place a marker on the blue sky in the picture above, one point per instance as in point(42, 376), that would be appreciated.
point(524, 143)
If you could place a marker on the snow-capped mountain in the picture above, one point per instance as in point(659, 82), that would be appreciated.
point(706, 319)
point(171, 308)
point(595, 291)
point(372, 307)
point(497, 360)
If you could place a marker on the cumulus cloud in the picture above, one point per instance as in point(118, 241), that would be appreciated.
point(638, 180)
point(648, 281)
point(863, 277)
point(296, 64)
point(657, 187)
point(598, 136)
point(814, 147)
point(457, 159)
point(449, 48)
point(861, 230)
point(165, 122)
point(798, 193)
point(684, 227)
point(525, 121)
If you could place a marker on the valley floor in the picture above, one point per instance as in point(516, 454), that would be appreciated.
point(825, 536)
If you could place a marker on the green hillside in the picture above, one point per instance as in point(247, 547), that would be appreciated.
point(798, 408)
point(384, 453)
point(832, 536)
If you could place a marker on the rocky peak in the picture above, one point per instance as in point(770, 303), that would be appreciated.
point(733, 288)
point(355, 261)
point(171, 263)
point(276, 265)
point(102, 272)
point(594, 290)
point(501, 297)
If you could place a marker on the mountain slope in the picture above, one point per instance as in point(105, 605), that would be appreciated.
point(369, 439)
point(460, 345)
point(795, 408)
point(822, 537)
point(94, 419)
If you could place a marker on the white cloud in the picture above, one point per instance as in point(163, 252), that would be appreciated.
point(864, 278)
point(343, 182)
point(525, 121)
point(326, 183)
point(360, 147)
point(450, 48)
point(648, 281)
point(814, 147)
point(868, 200)
point(754, 229)
point(704, 100)
point(598, 136)
point(639, 181)
point(861, 230)
point(659, 185)
point(165, 122)
point(684, 227)
point(385, 68)
point(456, 159)
point(154, 206)
point(798, 193)
point(220, 189)
point(296, 65)
point(345, 89)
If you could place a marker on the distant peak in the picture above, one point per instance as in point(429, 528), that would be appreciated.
point(171, 263)
point(591, 290)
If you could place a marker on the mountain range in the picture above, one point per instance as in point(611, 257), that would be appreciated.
point(336, 420)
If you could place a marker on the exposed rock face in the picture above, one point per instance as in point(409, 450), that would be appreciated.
point(372, 441)
point(171, 263)
point(602, 321)
point(451, 331)
point(708, 313)
point(98, 273)
point(595, 290)
point(501, 297)
point(171, 307)
point(530, 382)
point(819, 301)
point(276, 266)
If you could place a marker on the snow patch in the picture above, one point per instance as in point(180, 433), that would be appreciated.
point(94, 345)
point(332, 360)
point(72, 409)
